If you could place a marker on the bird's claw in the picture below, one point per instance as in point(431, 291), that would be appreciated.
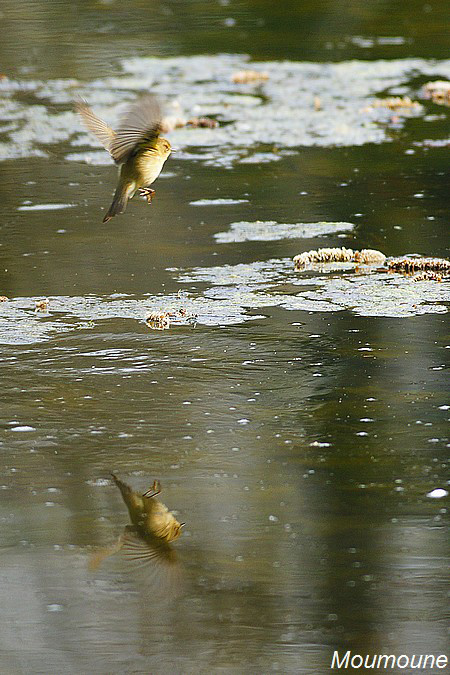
point(154, 490)
point(147, 193)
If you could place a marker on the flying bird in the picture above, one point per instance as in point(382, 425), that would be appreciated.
point(136, 146)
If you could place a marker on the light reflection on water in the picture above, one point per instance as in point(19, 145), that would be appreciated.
point(298, 446)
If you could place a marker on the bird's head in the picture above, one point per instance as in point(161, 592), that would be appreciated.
point(163, 147)
point(174, 530)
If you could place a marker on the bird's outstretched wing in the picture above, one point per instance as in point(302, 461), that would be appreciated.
point(141, 123)
point(103, 131)
point(153, 563)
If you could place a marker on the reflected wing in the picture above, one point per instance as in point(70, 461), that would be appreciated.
point(99, 556)
point(153, 563)
point(140, 123)
point(103, 131)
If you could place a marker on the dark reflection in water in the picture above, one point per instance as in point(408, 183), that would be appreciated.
point(299, 447)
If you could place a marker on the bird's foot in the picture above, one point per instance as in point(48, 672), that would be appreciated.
point(148, 193)
point(154, 490)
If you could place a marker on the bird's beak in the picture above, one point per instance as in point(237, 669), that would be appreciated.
point(173, 149)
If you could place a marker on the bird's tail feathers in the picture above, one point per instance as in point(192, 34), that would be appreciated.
point(119, 202)
point(123, 487)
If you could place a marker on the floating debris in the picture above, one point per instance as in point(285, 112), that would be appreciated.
point(158, 320)
point(41, 305)
point(366, 256)
point(171, 122)
point(246, 76)
point(3, 298)
point(203, 122)
point(369, 256)
point(323, 255)
point(396, 103)
point(181, 313)
point(438, 91)
point(427, 276)
point(413, 264)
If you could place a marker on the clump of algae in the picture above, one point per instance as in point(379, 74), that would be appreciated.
point(427, 276)
point(411, 265)
point(246, 76)
point(426, 267)
point(395, 103)
point(438, 91)
point(158, 320)
point(366, 256)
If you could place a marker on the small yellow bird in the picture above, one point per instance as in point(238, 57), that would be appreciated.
point(136, 146)
point(146, 543)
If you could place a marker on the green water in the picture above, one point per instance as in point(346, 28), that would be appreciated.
point(298, 422)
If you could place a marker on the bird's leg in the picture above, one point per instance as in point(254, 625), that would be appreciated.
point(148, 193)
point(154, 490)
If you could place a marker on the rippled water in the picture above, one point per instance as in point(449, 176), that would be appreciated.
point(297, 420)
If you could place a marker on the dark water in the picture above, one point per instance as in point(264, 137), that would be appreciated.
point(299, 422)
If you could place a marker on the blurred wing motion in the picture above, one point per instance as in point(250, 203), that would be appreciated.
point(144, 546)
point(141, 123)
point(103, 131)
point(153, 563)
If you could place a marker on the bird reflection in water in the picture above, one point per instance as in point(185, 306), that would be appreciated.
point(146, 544)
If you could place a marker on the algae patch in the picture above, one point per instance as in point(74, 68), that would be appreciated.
point(218, 202)
point(335, 287)
point(270, 230)
point(232, 294)
point(293, 104)
point(29, 320)
point(366, 256)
